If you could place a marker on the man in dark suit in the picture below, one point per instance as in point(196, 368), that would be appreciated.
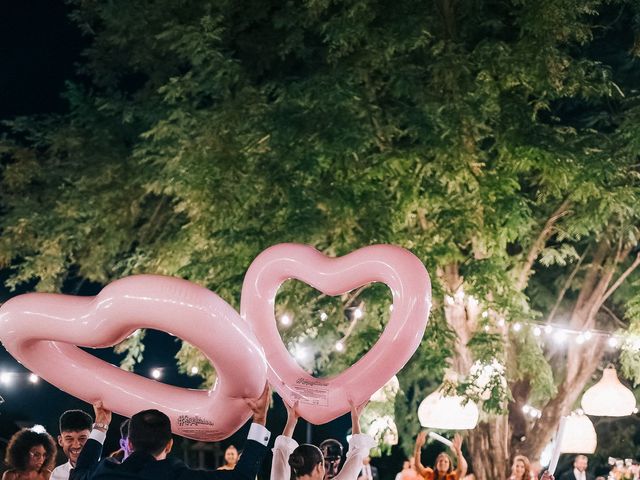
point(150, 442)
point(369, 472)
point(579, 470)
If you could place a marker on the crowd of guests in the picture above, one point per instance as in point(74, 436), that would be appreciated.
point(146, 442)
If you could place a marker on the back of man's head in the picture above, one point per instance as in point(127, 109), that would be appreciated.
point(149, 432)
point(75, 421)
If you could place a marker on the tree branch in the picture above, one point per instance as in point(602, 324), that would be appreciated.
point(622, 278)
point(566, 285)
point(615, 318)
point(539, 243)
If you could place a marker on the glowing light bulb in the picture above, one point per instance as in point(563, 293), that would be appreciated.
point(156, 373)
point(517, 327)
point(613, 342)
point(339, 346)
point(537, 331)
point(357, 313)
point(194, 370)
point(33, 378)
point(323, 316)
point(285, 320)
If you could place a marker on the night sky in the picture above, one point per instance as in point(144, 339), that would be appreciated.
point(39, 49)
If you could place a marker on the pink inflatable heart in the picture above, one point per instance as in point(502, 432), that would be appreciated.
point(42, 331)
point(323, 399)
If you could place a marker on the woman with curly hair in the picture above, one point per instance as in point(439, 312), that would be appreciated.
point(30, 456)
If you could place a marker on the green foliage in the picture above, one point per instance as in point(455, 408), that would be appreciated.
point(207, 131)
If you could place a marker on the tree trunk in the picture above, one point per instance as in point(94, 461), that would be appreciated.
point(493, 442)
point(489, 448)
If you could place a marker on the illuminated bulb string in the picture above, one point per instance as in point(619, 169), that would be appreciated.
point(562, 334)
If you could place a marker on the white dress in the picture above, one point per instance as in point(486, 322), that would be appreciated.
point(360, 445)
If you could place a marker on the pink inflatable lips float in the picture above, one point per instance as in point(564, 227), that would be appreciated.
point(43, 331)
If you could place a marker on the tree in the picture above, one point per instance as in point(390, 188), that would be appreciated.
point(497, 141)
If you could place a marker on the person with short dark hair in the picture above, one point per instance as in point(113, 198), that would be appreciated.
point(231, 457)
point(332, 452)
point(76, 427)
point(150, 442)
point(30, 454)
point(579, 470)
point(285, 447)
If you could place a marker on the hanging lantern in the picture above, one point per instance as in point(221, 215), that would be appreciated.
point(447, 413)
point(608, 397)
point(579, 435)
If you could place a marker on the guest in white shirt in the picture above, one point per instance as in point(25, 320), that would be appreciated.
point(76, 427)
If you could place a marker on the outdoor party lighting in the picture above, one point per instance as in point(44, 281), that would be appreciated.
point(194, 370)
point(447, 413)
point(608, 397)
point(5, 378)
point(339, 346)
point(285, 320)
point(579, 435)
point(33, 378)
point(323, 316)
point(156, 373)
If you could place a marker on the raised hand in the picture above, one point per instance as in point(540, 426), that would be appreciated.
point(260, 405)
point(457, 442)
point(103, 416)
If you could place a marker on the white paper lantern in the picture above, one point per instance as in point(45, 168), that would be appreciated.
point(608, 397)
point(447, 413)
point(579, 435)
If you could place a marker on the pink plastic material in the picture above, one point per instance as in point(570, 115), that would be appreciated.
point(42, 331)
point(323, 399)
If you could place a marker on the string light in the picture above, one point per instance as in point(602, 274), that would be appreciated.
point(357, 313)
point(339, 346)
point(517, 327)
point(323, 316)
point(7, 378)
point(537, 331)
point(156, 373)
point(285, 320)
point(194, 370)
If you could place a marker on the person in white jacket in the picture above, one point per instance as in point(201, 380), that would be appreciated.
point(307, 460)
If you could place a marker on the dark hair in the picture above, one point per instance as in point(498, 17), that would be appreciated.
point(304, 459)
point(17, 455)
point(75, 421)
point(149, 431)
point(124, 429)
point(331, 448)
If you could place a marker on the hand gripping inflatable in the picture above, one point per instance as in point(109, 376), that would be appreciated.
point(323, 399)
point(42, 330)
